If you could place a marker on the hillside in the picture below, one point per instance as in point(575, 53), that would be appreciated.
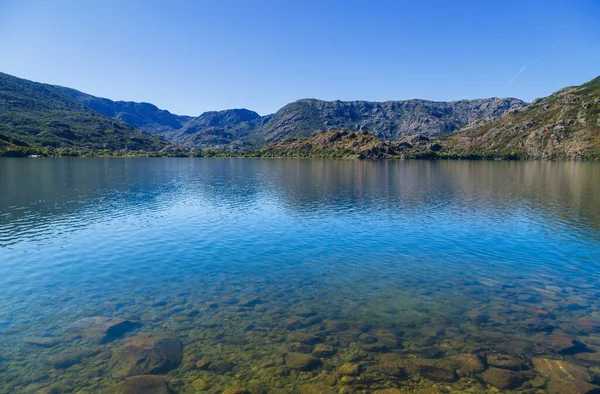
point(390, 120)
point(565, 125)
point(142, 116)
point(231, 129)
point(336, 143)
point(35, 115)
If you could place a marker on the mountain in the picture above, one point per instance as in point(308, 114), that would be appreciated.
point(389, 120)
point(142, 116)
point(242, 129)
point(37, 115)
point(232, 129)
point(564, 125)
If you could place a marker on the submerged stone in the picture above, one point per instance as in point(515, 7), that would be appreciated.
point(144, 384)
point(560, 370)
point(436, 370)
point(505, 361)
point(301, 361)
point(235, 390)
point(42, 341)
point(323, 351)
point(349, 369)
point(101, 329)
point(222, 366)
point(503, 379)
point(146, 354)
point(572, 387)
point(469, 364)
point(560, 344)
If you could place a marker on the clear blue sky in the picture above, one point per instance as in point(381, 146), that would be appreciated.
point(193, 56)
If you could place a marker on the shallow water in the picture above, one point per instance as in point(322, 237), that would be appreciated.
point(440, 276)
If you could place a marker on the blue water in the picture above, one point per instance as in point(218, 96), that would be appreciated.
point(411, 247)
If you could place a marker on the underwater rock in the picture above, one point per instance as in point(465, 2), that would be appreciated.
point(349, 369)
point(144, 384)
point(101, 329)
point(560, 370)
point(250, 302)
point(202, 364)
point(572, 387)
point(431, 352)
point(560, 344)
point(303, 337)
point(235, 390)
point(146, 354)
point(469, 364)
point(315, 388)
point(588, 324)
point(222, 366)
point(503, 379)
point(66, 359)
point(589, 358)
point(323, 351)
point(436, 370)
point(505, 361)
point(199, 384)
point(41, 341)
point(389, 391)
point(393, 364)
point(301, 361)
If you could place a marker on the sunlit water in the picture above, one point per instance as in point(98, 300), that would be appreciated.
point(403, 263)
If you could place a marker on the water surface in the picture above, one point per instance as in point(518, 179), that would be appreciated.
point(408, 272)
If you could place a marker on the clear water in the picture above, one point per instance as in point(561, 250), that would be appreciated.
point(422, 260)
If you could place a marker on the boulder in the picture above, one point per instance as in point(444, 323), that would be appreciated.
point(146, 354)
point(102, 329)
point(503, 379)
point(42, 341)
point(560, 370)
point(436, 370)
point(301, 361)
point(322, 351)
point(505, 361)
point(144, 384)
point(469, 364)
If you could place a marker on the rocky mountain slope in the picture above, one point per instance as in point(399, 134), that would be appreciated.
point(390, 120)
point(35, 115)
point(565, 125)
point(142, 116)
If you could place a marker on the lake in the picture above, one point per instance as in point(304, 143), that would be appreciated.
point(298, 276)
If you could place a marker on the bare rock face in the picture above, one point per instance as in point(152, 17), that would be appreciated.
point(102, 329)
point(144, 384)
point(146, 354)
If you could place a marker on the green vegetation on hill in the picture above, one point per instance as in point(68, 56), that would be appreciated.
point(564, 125)
point(37, 118)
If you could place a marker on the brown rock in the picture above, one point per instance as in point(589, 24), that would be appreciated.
point(560, 344)
point(102, 329)
point(469, 363)
point(393, 364)
point(503, 379)
point(560, 370)
point(146, 354)
point(322, 351)
point(436, 370)
point(505, 361)
point(222, 366)
point(349, 369)
point(588, 324)
point(303, 337)
point(144, 384)
point(202, 364)
point(301, 361)
point(390, 391)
